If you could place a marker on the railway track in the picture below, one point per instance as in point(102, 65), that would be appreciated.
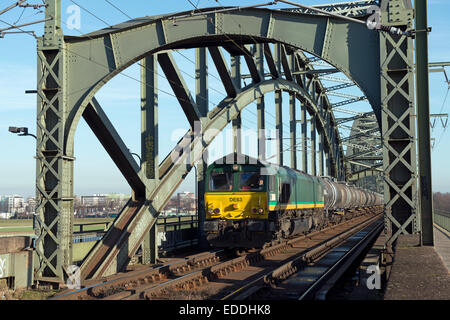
point(120, 285)
point(312, 274)
point(218, 275)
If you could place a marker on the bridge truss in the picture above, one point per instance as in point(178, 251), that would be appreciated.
point(71, 70)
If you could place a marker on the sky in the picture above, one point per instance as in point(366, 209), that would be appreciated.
point(94, 171)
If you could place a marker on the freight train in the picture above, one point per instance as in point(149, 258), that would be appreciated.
point(250, 203)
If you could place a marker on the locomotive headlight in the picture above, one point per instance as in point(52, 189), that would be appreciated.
point(261, 210)
point(216, 210)
point(235, 206)
point(210, 210)
point(254, 210)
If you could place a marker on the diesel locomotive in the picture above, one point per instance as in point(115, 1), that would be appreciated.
point(250, 203)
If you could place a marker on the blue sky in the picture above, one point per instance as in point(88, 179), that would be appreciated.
point(94, 171)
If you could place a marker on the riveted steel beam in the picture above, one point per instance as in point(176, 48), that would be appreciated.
point(149, 117)
point(202, 99)
point(321, 155)
point(150, 144)
point(359, 116)
point(423, 119)
point(179, 87)
point(286, 63)
point(237, 123)
point(271, 63)
point(398, 127)
point(304, 120)
point(222, 69)
point(53, 220)
point(349, 9)
point(116, 148)
point(293, 130)
point(260, 105)
point(313, 146)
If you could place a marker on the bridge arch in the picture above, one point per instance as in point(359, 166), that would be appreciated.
point(99, 56)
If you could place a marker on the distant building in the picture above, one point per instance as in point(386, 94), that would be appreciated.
point(12, 204)
point(3, 203)
point(95, 200)
point(30, 205)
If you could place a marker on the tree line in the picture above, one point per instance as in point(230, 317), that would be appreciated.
point(441, 201)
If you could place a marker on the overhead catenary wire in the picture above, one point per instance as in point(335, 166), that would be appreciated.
point(15, 4)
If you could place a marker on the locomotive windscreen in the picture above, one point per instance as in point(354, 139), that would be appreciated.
point(251, 181)
point(221, 181)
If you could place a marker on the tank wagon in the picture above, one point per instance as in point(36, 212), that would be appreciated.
point(250, 203)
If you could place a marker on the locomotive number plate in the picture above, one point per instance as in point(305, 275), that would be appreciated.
point(235, 199)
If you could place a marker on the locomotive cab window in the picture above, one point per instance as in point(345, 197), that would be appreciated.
point(251, 181)
point(221, 181)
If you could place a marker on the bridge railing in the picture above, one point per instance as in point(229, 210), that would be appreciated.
point(442, 219)
point(177, 232)
point(89, 227)
point(173, 233)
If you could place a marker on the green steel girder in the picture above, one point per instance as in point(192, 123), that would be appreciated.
point(398, 124)
point(53, 220)
point(179, 87)
point(350, 8)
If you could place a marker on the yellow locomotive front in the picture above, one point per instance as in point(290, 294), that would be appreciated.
point(236, 195)
point(236, 205)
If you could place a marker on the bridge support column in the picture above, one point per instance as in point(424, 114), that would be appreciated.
point(398, 124)
point(260, 106)
point(321, 161)
point(303, 121)
point(150, 246)
point(149, 143)
point(278, 104)
point(53, 222)
point(279, 126)
point(328, 163)
point(201, 88)
point(423, 123)
point(237, 123)
point(313, 146)
point(293, 130)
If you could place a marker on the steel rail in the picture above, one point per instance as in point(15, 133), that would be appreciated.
point(286, 269)
point(199, 277)
point(329, 278)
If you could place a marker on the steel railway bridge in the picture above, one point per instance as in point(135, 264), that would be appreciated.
point(280, 49)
